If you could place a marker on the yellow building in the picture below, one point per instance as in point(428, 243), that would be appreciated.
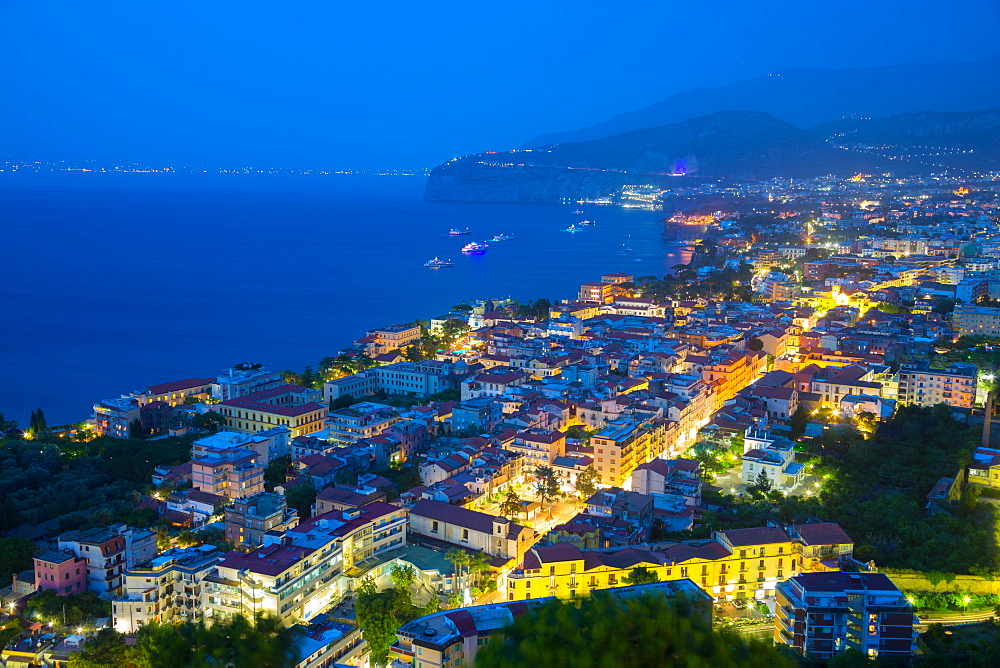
point(292, 406)
point(734, 564)
point(620, 447)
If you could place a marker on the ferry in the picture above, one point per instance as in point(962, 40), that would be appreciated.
point(475, 248)
point(455, 232)
point(502, 237)
point(435, 263)
point(573, 228)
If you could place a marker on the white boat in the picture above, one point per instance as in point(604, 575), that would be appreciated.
point(455, 232)
point(627, 247)
point(578, 211)
point(573, 228)
point(435, 263)
point(586, 222)
point(502, 237)
point(475, 248)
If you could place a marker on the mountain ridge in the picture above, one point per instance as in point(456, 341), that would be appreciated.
point(809, 97)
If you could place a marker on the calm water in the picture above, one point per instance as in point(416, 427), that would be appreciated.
point(111, 282)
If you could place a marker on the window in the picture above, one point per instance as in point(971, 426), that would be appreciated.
point(434, 527)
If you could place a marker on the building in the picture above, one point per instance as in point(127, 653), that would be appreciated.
point(403, 378)
point(62, 571)
point(269, 444)
point(496, 536)
point(233, 473)
point(175, 393)
point(453, 637)
point(821, 615)
point(294, 407)
point(386, 339)
point(366, 419)
point(773, 456)
point(109, 552)
point(249, 519)
point(116, 417)
point(298, 574)
point(620, 447)
point(539, 447)
point(971, 320)
point(733, 564)
point(344, 497)
point(165, 589)
point(243, 379)
point(922, 386)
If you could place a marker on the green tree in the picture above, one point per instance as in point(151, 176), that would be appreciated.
point(512, 505)
point(546, 485)
point(459, 559)
point(639, 632)
point(403, 578)
point(301, 497)
point(798, 421)
point(640, 575)
point(232, 640)
point(15, 555)
point(209, 420)
point(343, 401)
point(277, 471)
point(762, 486)
point(105, 648)
point(587, 481)
point(755, 344)
point(135, 429)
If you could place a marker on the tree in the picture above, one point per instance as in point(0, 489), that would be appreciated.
point(546, 484)
point(209, 420)
point(343, 401)
point(755, 344)
point(635, 632)
point(512, 505)
point(459, 559)
point(105, 648)
point(15, 555)
point(277, 471)
point(640, 575)
point(798, 421)
point(403, 578)
point(478, 563)
point(301, 497)
point(587, 481)
point(762, 486)
point(135, 429)
point(232, 640)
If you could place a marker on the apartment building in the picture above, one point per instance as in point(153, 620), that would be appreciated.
point(404, 378)
point(109, 552)
point(165, 589)
point(234, 473)
point(244, 379)
point(115, 417)
point(821, 615)
point(538, 447)
point(470, 529)
point(389, 338)
point(620, 447)
point(922, 386)
point(347, 426)
point(298, 574)
point(971, 320)
point(269, 444)
point(734, 564)
point(175, 393)
point(249, 519)
point(295, 407)
point(60, 570)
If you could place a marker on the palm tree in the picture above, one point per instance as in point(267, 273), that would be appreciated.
point(459, 559)
point(478, 563)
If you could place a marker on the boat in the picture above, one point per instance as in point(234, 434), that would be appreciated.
point(455, 232)
point(435, 263)
point(626, 247)
point(573, 228)
point(578, 211)
point(587, 222)
point(502, 237)
point(475, 248)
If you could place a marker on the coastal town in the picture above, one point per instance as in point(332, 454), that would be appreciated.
point(790, 432)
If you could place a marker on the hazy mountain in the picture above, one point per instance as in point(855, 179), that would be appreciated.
point(732, 144)
point(806, 97)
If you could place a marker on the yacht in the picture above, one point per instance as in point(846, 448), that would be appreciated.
point(502, 237)
point(475, 248)
point(573, 228)
point(587, 222)
point(455, 232)
point(435, 263)
point(578, 211)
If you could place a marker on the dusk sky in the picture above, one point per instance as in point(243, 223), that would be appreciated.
point(331, 84)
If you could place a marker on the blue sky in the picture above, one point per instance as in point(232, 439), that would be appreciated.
point(361, 84)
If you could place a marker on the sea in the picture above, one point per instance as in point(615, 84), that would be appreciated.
point(110, 282)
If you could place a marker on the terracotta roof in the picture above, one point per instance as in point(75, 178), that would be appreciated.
point(823, 533)
point(467, 519)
